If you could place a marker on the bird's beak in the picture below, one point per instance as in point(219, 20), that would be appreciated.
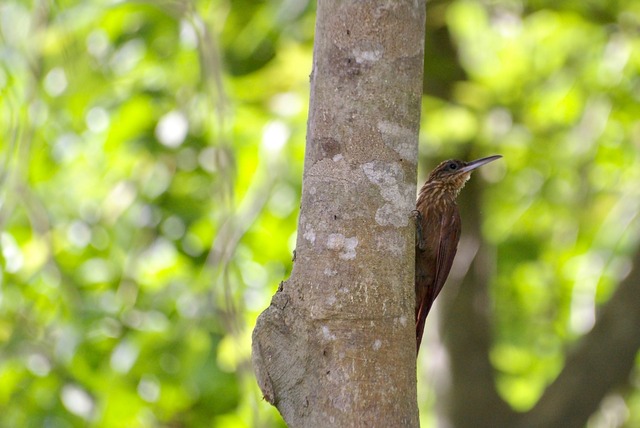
point(470, 166)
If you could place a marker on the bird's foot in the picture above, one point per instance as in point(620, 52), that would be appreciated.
point(417, 216)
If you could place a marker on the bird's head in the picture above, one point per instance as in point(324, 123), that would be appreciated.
point(453, 174)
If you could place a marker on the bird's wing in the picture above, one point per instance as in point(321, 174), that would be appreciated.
point(449, 235)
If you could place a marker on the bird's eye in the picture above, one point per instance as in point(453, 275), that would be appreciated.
point(452, 166)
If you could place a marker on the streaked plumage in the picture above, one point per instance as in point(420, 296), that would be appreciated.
point(438, 232)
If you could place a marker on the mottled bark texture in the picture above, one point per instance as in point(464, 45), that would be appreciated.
point(336, 347)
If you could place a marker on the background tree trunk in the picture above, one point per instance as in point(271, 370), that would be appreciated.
point(472, 399)
point(337, 344)
point(599, 362)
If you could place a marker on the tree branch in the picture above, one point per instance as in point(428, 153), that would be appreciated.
point(602, 360)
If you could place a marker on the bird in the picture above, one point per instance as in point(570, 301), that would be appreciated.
point(438, 229)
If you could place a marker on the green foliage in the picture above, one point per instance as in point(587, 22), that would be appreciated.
point(135, 190)
point(555, 91)
point(150, 166)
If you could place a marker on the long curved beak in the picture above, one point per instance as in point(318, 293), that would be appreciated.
point(470, 166)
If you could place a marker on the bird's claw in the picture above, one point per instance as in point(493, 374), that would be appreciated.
point(417, 215)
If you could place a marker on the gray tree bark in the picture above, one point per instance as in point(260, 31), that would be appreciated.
point(337, 344)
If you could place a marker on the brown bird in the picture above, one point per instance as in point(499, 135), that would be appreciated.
point(438, 231)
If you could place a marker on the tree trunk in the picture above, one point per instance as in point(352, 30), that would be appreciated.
point(337, 344)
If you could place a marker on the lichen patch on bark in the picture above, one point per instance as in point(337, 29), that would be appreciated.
point(397, 194)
